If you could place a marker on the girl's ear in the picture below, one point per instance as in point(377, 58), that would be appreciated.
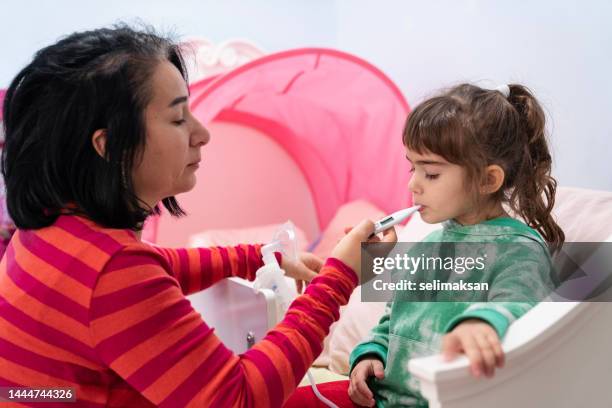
point(493, 180)
point(98, 140)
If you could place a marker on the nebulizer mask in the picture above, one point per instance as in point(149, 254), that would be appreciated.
point(271, 276)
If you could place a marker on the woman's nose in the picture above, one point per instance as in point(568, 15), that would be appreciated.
point(200, 135)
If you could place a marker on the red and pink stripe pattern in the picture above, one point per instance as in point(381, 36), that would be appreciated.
point(96, 309)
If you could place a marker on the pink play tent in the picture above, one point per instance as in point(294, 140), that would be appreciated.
point(295, 135)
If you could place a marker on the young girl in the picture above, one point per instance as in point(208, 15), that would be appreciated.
point(473, 150)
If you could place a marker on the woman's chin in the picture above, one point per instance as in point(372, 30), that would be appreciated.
point(187, 184)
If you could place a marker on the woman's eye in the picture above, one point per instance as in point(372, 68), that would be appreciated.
point(179, 122)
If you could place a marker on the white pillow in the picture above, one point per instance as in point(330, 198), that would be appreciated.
point(584, 215)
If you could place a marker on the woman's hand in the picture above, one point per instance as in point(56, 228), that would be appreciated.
point(348, 249)
point(358, 390)
point(302, 270)
point(480, 343)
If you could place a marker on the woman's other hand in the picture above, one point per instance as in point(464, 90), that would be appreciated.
point(303, 270)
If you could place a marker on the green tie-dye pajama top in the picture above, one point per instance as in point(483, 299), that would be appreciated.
point(518, 275)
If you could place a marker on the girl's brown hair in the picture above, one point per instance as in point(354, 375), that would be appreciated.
point(474, 127)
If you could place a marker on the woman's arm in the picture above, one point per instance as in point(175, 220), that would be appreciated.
point(199, 268)
point(146, 331)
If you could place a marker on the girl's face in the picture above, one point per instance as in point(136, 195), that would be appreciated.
point(173, 140)
point(440, 188)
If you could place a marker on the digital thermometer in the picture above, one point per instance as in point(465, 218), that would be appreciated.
point(393, 219)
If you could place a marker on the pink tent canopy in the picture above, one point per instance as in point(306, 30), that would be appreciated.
point(337, 116)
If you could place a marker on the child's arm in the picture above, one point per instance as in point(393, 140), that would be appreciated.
point(377, 344)
point(480, 343)
point(369, 359)
point(358, 390)
point(478, 331)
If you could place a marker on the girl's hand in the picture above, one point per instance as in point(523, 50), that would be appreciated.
point(358, 390)
point(480, 343)
point(303, 270)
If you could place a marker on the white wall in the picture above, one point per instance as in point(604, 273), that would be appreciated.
point(559, 48)
point(274, 25)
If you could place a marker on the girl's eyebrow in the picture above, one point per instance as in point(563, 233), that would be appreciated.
point(424, 162)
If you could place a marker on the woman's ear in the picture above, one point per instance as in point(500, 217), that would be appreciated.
point(98, 140)
point(493, 180)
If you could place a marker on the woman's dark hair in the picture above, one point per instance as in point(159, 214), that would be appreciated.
point(91, 80)
point(474, 128)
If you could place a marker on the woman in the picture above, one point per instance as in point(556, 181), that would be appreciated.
point(98, 132)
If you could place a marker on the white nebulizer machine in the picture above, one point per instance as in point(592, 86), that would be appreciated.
point(271, 276)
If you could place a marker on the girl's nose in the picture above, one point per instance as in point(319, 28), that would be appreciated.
point(413, 186)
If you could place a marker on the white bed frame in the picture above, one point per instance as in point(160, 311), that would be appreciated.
point(557, 355)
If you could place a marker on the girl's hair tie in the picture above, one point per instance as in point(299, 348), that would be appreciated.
point(504, 89)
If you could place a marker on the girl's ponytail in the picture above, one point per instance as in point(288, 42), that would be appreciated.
point(533, 196)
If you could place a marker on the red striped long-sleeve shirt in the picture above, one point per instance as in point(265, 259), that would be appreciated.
point(96, 309)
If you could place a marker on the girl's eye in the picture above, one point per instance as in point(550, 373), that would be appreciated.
point(427, 176)
point(179, 122)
